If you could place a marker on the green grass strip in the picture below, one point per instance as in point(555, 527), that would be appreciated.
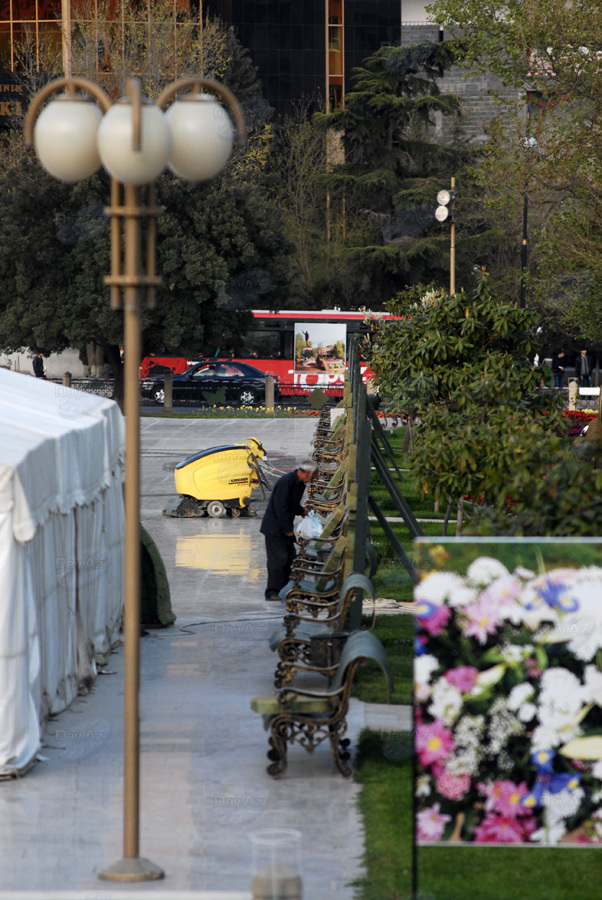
point(384, 771)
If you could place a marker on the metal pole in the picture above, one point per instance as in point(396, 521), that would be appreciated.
point(452, 248)
point(132, 513)
point(523, 264)
point(66, 37)
point(132, 867)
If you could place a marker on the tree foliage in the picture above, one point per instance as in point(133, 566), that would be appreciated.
point(550, 50)
point(55, 249)
point(461, 367)
point(393, 167)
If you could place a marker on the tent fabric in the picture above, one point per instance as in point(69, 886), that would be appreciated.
point(61, 552)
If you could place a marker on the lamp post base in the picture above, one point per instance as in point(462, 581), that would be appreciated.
point(137, 869)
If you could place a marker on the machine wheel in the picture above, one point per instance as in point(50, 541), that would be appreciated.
point(247, 397)
point(159, 395)
point(215, 509)
point(234, 512)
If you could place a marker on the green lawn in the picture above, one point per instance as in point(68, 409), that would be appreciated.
point(385, 772)
point(396, 634)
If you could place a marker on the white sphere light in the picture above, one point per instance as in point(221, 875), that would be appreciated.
point(202, 137)
point(127, 165)
point(65, 136)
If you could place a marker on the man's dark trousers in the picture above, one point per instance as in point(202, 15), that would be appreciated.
point(280, 552)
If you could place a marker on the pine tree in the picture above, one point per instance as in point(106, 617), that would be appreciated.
point(394, 166)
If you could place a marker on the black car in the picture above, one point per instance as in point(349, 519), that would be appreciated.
point(215, 383)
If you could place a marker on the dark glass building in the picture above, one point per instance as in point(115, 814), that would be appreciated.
point(308, 48)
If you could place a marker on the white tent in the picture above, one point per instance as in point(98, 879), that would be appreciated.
point(61, 552)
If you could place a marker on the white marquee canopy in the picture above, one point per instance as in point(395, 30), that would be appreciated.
point(61, 552)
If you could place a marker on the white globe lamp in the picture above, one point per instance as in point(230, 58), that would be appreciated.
point(65, 137)
point(203, 135)
point(115, 143)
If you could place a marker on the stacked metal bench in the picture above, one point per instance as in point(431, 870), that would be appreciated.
point(317, 656)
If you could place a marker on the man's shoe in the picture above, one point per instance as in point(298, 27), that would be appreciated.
point(272, 597)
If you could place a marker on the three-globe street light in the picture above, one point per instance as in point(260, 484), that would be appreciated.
point(134, 140)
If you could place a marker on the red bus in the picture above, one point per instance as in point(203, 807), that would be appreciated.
point(304, 349)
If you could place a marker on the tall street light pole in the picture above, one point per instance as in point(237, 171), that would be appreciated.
point(134, 141)
point(524, 252)
point(446, 208)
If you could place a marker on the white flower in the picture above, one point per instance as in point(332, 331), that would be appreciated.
point(545, 737)
point(524, 574)
point(487, 679)
point(549, 835)
point(446, 702)
point(587, 622)
point(423, 786)
point(462, 596)
point(562, 805)
point(561, 700)
point(424, 666)
point(484, 570)
point(515, 653)
point(597, 769)
point(530, 610)
point(593, 685)
point(466, 763)
point(437, 586)
point(527, 712)
point(519, 694)
point(503, 725)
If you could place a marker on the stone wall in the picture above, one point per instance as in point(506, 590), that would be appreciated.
point(474, 91)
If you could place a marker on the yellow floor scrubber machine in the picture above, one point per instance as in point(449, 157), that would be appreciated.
point(218, 480)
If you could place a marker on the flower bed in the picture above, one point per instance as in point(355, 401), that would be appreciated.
point(508, 705)
point(579, 418)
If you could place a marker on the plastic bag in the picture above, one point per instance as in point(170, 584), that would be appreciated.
point(309, 527)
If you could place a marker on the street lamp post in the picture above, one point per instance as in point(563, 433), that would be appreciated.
point(446, 207)
point(134, 141)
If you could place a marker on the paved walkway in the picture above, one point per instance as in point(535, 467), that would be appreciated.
point(203, 753)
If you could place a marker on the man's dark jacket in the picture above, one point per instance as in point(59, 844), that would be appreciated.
point(284, 504)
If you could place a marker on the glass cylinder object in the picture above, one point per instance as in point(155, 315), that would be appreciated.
point(276, 864)
point(116, 147)
point(203, 135)
point(65, 137)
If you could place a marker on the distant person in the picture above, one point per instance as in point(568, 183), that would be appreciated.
point(583, 369)
point(122, 355)
point(558, 362)
point(277, 525)
point(38, 366)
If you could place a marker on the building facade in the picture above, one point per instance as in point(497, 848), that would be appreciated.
point(303, 49)
point(308, 48)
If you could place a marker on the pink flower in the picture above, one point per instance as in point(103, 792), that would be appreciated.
point(434, 742)
point(452, 786)
point(502, 590)
point(431, 823)
point(436, 621)
point(464, 678)
point(482, 618)
point(532, 667)
point(499, 830)
point(504, 797)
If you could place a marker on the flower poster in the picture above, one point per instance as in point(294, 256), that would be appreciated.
point(508, 692)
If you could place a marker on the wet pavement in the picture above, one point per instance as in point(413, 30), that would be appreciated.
point(204, 786)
